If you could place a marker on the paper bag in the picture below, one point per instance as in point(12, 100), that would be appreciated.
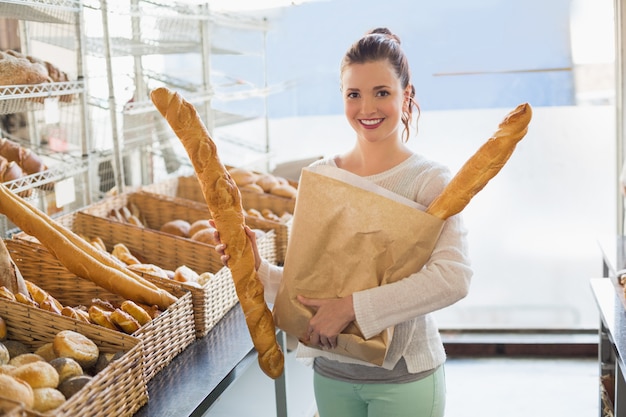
point(348, 235)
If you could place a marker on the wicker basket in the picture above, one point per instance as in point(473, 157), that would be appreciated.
point(118, 390)
point(210, 302)
point(163, 338)
point(157, 210)
point(188, 188)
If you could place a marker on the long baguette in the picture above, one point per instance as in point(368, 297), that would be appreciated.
point(78, 257)
point(483, 165)
point(224, 202)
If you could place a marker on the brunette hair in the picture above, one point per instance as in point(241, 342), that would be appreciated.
point(381, 44)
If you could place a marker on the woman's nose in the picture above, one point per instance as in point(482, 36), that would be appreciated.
point(368, 106)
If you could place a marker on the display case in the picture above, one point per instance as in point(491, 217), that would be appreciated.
point(47, 117)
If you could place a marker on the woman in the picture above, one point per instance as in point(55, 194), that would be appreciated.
point(379, 103)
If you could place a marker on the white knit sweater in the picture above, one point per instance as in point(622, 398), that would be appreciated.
point(444, 280)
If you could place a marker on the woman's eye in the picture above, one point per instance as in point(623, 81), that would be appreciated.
point(353, 95)
point(383, 93)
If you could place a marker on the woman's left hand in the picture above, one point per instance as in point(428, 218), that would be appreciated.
point(331, 316)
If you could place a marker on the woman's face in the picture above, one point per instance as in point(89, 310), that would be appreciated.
point(373, 100)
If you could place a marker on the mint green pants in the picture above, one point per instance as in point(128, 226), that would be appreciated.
point(423, 398)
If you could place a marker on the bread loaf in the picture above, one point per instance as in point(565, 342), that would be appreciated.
point(15, 71)
point(79, 256)
point(224, 202)
point(483, 165)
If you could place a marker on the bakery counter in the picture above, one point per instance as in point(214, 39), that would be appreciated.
point(196, 378)
point(612, 345)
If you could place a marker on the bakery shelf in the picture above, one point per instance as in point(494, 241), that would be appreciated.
point(53, 174)
point(48, 11)
point(20, 98)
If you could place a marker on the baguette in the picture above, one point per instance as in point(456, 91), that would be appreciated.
point(78, 255)
point(483, 165)
point(10, 275)
point(224, 203)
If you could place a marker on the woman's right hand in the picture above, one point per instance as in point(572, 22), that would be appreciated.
point(221, 248)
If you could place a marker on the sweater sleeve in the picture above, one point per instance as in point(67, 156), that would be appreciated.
point(270, 276)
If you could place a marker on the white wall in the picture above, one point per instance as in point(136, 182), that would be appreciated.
point(533, 230)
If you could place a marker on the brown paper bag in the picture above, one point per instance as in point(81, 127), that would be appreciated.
point(348, 235)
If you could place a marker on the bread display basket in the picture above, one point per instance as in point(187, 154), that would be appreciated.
point(163, 338)
point(210, 301)
point(188, 188)
point(117, 390)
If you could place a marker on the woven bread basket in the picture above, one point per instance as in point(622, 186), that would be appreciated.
point(210, 301)
point(188, 188)
point(163, 338)
point(117, 390)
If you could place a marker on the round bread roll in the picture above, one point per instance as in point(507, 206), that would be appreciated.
point(13, 171)
point(38, 374)
point(7, 369)
point(15, 347)
point(72, 385)
point(71, 344)
point(252, 187)
point(242, 176)
point(267, 182)
point(17, 390)
point(66, 368)
point(252, 212)
point(285, 190)
point(25, 358)
point(176, 227)
point(46, 352)
point(206, 235)
point(47, 399)
point(199, 225)
point(105, 359)
point(185, 274)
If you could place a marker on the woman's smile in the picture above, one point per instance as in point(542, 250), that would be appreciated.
point(371, 123)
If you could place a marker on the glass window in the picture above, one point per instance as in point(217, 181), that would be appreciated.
point(534, 229)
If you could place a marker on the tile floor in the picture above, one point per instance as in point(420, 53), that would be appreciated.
point(477, 387)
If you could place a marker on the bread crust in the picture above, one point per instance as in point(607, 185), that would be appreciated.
point(224, 202)
point(80, 256)
point(483, 165)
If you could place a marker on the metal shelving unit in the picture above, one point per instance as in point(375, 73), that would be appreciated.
point(137, 48)
point(56, 112)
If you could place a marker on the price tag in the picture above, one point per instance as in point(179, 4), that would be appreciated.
point(64, 192)
point(51, 110)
